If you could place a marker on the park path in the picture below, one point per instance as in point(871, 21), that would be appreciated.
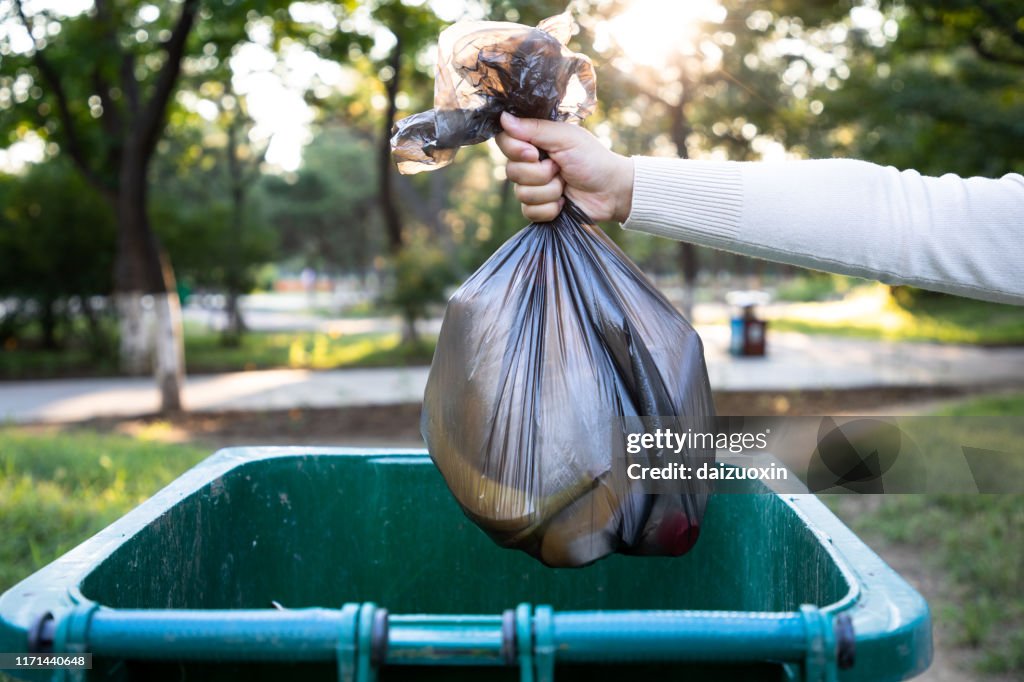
point(795, 362)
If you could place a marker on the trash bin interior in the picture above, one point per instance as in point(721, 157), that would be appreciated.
point(321, 530)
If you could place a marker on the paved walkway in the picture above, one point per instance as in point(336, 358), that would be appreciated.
point(795, 361)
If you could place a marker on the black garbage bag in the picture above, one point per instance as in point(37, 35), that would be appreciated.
point(558, 347)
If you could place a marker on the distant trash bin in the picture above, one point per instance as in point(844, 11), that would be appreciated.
point(748, 332)
point(288, 563)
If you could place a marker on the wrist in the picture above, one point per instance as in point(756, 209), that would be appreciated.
point(623, 189)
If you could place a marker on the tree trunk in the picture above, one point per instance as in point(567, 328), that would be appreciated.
point(97, 340)
point(48, 322)
point(392, 221)
point(235, 325)
point(385, 170)
point(235, 322)
point(170, 351)
point(410, 335)
point(141, 269)
point(689, 263)
point(134, 350)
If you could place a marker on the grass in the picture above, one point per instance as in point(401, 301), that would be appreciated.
point(1007, 405)
point(870, 312)
point(204, 353)
point(57, 489)
point(303, 350)
point(815, 287)
point(975, 544)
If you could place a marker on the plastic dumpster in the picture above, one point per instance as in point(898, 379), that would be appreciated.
point(282, 563)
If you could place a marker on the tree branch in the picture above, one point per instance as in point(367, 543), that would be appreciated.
point(1004, 21)
point(987, 54)
point(112, 120)
point(130, 86)
point(52, 78)
point(151, 120)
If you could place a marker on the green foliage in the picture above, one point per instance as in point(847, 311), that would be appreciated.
point(202, 245)
point(422, 275)
point(945, 95)
point(192, 211)
point(56, 489)
point(56, 235)
point(56, 252)
point(325, 214)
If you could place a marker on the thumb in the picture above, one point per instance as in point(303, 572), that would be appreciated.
point(551, 136)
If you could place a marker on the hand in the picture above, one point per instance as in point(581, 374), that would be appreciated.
point(597, 180)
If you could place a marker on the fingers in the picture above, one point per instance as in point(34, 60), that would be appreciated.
point(543, 213)
point(540, 195)
point(539, 187)
point(516, 150)
point(531, 173)
point(551, 136)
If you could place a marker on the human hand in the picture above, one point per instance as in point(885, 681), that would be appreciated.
point(579, 167)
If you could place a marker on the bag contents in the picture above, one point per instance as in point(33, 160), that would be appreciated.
point(558, 347)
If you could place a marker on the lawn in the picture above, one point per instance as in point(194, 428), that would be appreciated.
point(56, 489)
point(303, 350)
point(870, 312)
point(204, 353)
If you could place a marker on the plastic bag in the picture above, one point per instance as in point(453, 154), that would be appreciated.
point(485, 68)
point(558, 346)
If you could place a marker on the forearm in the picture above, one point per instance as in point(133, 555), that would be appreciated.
point(962, 236)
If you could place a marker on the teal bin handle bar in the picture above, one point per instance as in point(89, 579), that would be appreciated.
point(361, 637)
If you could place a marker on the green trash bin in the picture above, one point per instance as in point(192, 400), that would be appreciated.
point(287, 563)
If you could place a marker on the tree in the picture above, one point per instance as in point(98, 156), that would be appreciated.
point(944, 91)
point(218, 163)
point(326, 213)
point(54, 255)
point(99, 85)
point(423, 274)
point(107, 112)
point(214, 230)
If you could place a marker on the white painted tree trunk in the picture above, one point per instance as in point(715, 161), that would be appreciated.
point(135, 324)
point(686, 305)
point(169, 360)
point(152, 339)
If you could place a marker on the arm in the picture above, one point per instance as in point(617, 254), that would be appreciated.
point(962, 236)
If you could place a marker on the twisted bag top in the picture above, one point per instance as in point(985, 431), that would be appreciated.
point(485, 68)
point(558, 347)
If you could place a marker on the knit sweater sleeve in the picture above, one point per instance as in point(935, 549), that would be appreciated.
point(958, 235)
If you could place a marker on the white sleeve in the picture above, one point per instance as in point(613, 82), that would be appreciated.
point(959, 235)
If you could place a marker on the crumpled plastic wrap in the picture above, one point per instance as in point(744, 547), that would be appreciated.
point(558, 346)
point(485, 68)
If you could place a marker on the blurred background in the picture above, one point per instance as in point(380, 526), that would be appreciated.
point(203, 242)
